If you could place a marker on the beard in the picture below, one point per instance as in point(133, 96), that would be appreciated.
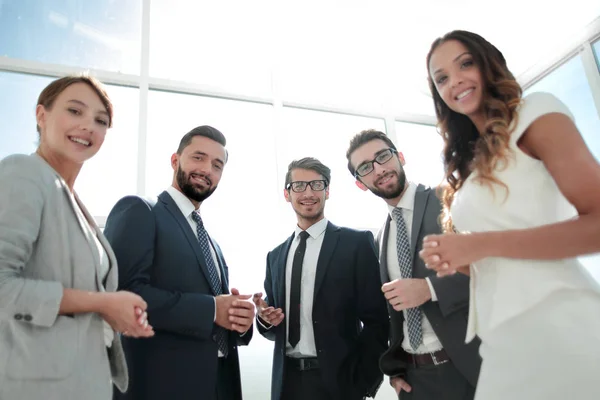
point(396, 190)
point(315, 215)
point(191, 191)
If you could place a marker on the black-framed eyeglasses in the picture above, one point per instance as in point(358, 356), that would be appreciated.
point(300, 186)
point(367, 167)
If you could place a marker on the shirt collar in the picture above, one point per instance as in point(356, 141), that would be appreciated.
point(184, 204)
point(407, 201)
point(315, 230)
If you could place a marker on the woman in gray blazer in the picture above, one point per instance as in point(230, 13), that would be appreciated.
point(59, 312)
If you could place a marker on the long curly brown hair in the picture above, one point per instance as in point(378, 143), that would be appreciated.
point(466, 149)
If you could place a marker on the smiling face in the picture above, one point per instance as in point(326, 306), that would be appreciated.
point(74, 127)
point(310, 204)
point(457, 78)
point(198, 169)
point(387, 180)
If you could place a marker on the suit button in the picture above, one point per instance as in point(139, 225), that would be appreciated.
point(315, 322)
point(18, 317)
point(28, 317)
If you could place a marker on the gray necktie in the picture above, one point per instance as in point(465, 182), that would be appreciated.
point(215, 282)
point(413, 315)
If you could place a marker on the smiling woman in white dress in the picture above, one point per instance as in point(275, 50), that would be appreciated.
point(524, 191)
point(59, 312)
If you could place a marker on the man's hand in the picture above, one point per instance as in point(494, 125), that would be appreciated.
point(270, 315)
point(234, 312)
point(399, 385)
point(403, 294)
point(242, 314)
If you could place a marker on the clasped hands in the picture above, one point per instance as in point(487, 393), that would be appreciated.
point(234, 311)
point(452, 252)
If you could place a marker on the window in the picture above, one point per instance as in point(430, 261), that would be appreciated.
point(326, 136)
point(112, 173)
point(104, 178)
point(422, 148)
point(596, 47)
point(569, 83)
point(19, 98)
point(81, 33)
point(230, 51)
point(353, 56)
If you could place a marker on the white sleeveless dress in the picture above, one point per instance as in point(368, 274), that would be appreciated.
point(539, 321)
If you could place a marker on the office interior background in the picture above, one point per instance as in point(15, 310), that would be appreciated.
point(282, 80)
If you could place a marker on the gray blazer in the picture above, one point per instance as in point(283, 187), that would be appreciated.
point(448, 316)
point(45, 247)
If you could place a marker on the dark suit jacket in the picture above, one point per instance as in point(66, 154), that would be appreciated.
point(448, 316)
point(160, 259)
point(347, 292)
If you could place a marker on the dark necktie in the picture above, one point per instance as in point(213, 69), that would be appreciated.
point(295, 290)
point(215, 282)
point(413, 315)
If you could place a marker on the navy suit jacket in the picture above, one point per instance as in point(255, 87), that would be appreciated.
point(350, 319)
point(160, 259)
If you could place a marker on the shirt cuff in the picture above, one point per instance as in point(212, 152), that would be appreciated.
point(215, 318)
point(431, 290)
point(265, 325)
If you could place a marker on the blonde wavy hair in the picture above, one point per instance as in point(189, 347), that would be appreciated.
point(465, 149)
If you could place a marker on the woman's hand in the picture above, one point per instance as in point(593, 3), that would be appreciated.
point(451, 252)
point(125, 312)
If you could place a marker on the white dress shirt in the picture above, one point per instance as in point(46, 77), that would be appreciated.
point(431, 343)
point(186, 207)
point(306, 346)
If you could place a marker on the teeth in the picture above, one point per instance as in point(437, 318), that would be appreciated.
point(385, 179)
point(197, 178)
point(463, 94)
point(80, 141)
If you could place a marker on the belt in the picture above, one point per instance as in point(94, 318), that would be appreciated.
point(435, 358)
point(303, 364)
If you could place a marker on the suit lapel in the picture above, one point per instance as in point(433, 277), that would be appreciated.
point(383, 268)
point(175, 212)
point(77, 209)
point(86, 223)
point(281, 264)
point(332, 235)
point(421, 197)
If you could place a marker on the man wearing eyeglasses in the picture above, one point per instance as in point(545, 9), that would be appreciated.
point(324, 308)
point(427, 357)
